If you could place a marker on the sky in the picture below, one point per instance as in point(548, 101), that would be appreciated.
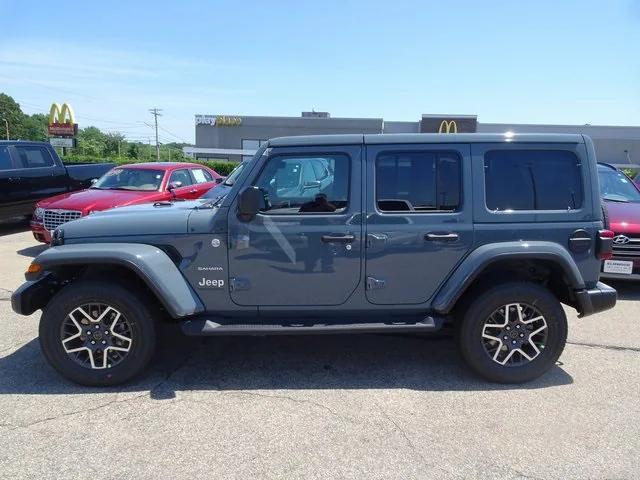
point(560, 62)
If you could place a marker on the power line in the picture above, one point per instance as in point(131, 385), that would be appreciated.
point(156, 113)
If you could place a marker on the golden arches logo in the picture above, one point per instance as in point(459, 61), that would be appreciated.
point(448, 127)
point(61, 114)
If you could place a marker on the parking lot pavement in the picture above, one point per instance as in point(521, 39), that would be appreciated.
point(378, 406)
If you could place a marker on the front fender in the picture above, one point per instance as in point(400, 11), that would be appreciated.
point(482, 257)
point(149, 263)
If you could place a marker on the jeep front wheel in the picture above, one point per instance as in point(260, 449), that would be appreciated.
point(97, 333)
point(512, 332)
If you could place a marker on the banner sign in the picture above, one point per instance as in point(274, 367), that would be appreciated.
point(63, 142)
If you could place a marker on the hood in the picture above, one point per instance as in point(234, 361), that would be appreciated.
point(624, 217)
point(94, 199)
point(162, 218)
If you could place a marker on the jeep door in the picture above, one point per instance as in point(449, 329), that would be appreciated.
point(418, 225)
point(304, 247)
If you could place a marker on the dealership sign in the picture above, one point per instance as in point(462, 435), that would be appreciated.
point(62, 122)
point(218, 120)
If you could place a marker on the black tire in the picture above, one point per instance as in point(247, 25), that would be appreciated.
point(129, 302)
point(484, 304)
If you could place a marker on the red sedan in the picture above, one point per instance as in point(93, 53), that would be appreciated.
point(121, 186)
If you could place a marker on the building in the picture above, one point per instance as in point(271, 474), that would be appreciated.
point(236, 138)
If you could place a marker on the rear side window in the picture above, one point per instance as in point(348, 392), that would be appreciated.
point(418, 181)
point(532, 180)
point(5, 159)
point(200, 175)
point(34, 157)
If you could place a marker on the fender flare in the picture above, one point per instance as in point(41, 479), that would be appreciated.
point(482, 257)
point(149, 263)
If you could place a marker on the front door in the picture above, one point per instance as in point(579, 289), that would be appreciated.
point(304, 247)
point(418, 224)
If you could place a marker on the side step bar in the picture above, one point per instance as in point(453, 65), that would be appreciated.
point(204, 326)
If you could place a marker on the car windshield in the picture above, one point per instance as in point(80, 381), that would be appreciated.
point(616, 187)
point(130, 179)
point(229, 181)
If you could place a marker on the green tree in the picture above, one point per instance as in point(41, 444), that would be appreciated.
point(11, 112)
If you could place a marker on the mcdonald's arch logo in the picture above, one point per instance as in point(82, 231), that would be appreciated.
point(62, 121)
point(448, 126)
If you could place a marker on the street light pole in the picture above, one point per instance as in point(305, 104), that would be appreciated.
point(7, 125)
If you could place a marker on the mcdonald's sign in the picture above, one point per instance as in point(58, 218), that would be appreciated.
point(448, 126)
point(62, 121)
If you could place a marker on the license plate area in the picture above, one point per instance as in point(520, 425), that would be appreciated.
point(618, 266)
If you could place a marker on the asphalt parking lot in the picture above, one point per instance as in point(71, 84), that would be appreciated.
point(375, 406)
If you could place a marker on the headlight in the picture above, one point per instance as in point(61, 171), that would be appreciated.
point(38, 212)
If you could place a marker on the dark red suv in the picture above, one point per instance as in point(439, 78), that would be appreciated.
point(621, 200)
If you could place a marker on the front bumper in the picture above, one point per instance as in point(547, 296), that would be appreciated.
point(33, 295)
point(595, 300)
point(40, 233)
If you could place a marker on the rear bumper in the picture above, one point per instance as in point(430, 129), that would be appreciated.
point(595, 300)
point(620, 276)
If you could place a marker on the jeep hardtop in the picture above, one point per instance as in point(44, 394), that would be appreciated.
point(341, 233)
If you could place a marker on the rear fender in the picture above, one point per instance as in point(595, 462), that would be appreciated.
point(486, 255)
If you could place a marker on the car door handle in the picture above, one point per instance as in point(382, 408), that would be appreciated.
point(338, 238)
point(195, 190)
point(14, 179)
point(441, 237)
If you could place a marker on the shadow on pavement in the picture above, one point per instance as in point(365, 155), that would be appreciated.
point(14, 225)
point(627, 290)
point(33, 251)
point(277, 362)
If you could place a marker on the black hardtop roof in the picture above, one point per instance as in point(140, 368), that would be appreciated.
point(391, 138)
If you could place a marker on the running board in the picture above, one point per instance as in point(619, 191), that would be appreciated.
point(203, 326)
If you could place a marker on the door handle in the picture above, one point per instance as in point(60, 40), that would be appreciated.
point(441, 237)
point(14, 179)
point(338, 238)
point(193, 191)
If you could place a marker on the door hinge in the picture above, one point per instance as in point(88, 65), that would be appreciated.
point(239, 283)
point(375, 283)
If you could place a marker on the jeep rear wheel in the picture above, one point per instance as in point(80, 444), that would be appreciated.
point(512, 332)
point(97, 333)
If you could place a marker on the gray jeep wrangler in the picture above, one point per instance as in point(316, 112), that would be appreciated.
point(341, 234)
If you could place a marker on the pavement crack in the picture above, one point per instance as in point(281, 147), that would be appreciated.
point(606, 347)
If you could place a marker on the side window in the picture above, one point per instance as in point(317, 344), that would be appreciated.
point(291, 185)
point(417, 181)
point(200, 175)
point(532, 180)
point(34, 157)
point(5, 159)
point(181, 176)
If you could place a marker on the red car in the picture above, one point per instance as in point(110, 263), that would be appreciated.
point(121, 186)
point(621, 199)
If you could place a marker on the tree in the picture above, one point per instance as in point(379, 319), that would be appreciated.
point(10, 110)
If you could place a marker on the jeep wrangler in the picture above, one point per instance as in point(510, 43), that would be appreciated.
point(490, 234)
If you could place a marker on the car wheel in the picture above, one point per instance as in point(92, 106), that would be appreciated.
point(513, 332)
point(97, 333)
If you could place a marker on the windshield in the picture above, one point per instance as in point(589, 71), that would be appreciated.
point(130, 179)
point(616, 187)
point(215, 192)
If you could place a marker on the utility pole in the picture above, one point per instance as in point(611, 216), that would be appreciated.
point(156, 113)
point(7, 125)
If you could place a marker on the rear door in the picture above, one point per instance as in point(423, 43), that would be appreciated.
point(202, 182)
point(41, 176)
point(418, 219)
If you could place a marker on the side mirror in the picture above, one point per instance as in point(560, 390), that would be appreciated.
point(220, 179)
point(174, 185)
point(93, 180)
point(250, 200)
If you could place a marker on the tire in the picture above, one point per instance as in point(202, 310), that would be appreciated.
point(484, 355)
point(121, 360)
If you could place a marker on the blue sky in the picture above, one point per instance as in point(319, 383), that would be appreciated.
point(565, 62)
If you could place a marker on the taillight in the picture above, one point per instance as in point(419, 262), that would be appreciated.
point(604, 250)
